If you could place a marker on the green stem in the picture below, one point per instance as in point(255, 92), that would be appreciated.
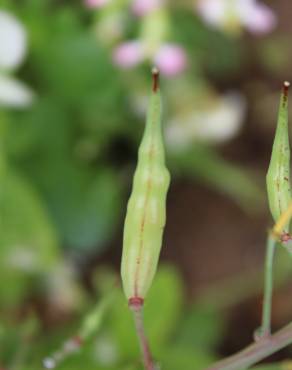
point(268, 290)
point(256, 351)
point(144, 344)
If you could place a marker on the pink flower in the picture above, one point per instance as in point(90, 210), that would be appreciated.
point(96, 3)
point(232, 15)
point(144, 7)
point(171, 59)
point(128, 54)
point(261, 20)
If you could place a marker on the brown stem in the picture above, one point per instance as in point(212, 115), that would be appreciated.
point(136, 305)
point(256, 351)
point(155, 78)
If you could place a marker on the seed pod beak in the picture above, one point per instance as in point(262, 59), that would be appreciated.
point(155, 78)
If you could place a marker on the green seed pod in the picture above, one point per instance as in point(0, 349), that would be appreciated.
point(278, 176)
point(145, 218)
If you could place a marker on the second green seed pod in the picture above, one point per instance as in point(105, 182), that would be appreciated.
point(278, 176)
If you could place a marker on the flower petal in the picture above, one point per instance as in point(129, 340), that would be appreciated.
point(261, 19)
point(144, 7)
point(128, 54)
point(212, 11)
point(171, 59)
point(223, 121)
point(14, 93)
point(13, 41)
point(216, 123)
point(231, 15)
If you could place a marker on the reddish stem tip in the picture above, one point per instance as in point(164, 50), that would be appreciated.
point(286, 86)
point(136, 303)
point(155, 79)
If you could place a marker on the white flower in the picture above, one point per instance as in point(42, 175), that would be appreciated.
point(63, 291)
point(13, 45)
point(13, 41)
point(14, 93)
point(105, 351)
point(22, 257)
point(215, 124)
point(232, 15)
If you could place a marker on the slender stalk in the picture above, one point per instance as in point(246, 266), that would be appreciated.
point(256, 352)
point(143, 341)
point(268, 289)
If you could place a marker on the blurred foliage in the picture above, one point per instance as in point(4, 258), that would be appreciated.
point(178, 339)
point(66, 163)
point(68, 156)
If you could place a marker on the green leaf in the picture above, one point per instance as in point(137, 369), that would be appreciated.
point(28, 242)
point(202, 327)
point(175, 358)
point(84, 200)
point(86, 206)
point(166, 296)
point(42, 133)
point(162, 313)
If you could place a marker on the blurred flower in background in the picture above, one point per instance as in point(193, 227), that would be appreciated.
point(151, 44)
point(144, 7)
point(129, 54)
point(171, 59)
point(96, 3)
point(232, 16)
point(13, 45)
point(63, 291)
point(216, 122)
point(201, 115)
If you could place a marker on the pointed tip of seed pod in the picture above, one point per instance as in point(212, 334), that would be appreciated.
point(285, 91)
point(155, 78)
point(286, 85)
